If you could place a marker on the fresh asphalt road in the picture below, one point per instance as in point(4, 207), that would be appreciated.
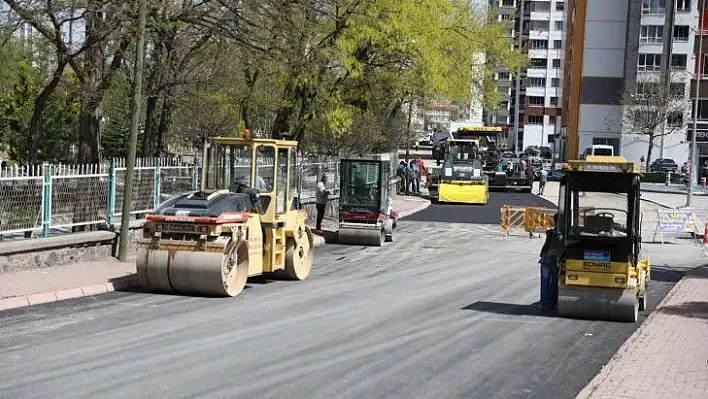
point(443, 312)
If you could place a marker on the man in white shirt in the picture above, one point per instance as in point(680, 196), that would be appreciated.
point(322, 196)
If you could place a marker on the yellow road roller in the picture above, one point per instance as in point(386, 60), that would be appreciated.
point(461, 178)
point(602, 275)
point(366, 216)
point(242, 222)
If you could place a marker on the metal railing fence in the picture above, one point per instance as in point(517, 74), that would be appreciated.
point(49, 200)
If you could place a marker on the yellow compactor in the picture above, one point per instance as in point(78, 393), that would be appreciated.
point(461, 178)
point(602, 275)
point(243, 222)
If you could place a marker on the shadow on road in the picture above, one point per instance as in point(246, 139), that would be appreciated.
point(666, 274)
point(509, 309)
point(693, 309)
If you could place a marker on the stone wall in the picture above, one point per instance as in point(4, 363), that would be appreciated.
point(62, 250)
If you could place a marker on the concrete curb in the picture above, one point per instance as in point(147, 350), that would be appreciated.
point(67, 293)
point(408, 212)
point(623, 350)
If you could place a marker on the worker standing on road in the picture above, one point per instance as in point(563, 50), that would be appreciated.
point(413, 177)
point(542, 181)
point(422, 170)
point(402, 173)
point(549, 269)
point(322, 195)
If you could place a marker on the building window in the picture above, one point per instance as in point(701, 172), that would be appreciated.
point(535, 101)
point(537, 44)
point(653, 6)
point(677, 90)
point(539, 25)
point(560, 6)
point(651, 34)
point(539, 62)
point(540, 6)
point(678, 62)
point(683, 5)
point(557, 44)
point(675, 119)
point(647, 88)
point(649, 62)
point(681, 33)
point(558, 25)
point(503, 76)
point(536, 82)
point(555, 82)
point(702, 110)
point(506, 17)
point(535, 120)
point(554, 100)
point(508, 3)
point(556, 63)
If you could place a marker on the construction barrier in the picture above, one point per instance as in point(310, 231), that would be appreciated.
point(532, 219)
point(511, 217)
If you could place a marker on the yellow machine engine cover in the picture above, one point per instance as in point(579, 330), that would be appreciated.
point(463, 192)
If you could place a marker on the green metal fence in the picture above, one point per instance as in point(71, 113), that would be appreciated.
point(57, 199)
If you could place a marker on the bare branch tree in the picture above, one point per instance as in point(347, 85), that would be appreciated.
point(654, 108)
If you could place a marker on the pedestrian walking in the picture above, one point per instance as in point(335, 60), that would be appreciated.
point(542, 181)
point(322, 196)
point(549, 268)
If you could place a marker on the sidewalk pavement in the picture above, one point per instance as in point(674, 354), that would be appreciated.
point(31, 287)
point(667, 357)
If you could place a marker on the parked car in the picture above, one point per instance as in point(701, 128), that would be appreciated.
point(426, 139)
point(663, 165)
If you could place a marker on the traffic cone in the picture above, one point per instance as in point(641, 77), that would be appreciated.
point(705, 235)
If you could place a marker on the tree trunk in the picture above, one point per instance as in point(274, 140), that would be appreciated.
point(649, 151)
point(168, 107)
point(151, 122)
point(40, 103)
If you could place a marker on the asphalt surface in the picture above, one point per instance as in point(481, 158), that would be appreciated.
point(478, 214)
point(445, 311)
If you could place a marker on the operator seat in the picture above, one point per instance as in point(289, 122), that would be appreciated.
point(595, 224)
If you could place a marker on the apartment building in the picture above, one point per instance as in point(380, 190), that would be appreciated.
point(617, 46)
point(538, 89)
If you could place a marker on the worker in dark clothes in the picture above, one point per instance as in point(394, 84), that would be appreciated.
point(549, 269)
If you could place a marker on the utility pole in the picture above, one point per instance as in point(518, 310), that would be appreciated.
point(134, 118)
point(517, 94)
point(667, 53)
point(408, 129)
point(693, 168)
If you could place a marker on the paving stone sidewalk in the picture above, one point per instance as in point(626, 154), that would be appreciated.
point(31, 287)
point(667, 357)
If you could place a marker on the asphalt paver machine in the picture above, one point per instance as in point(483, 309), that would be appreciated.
point(366, 216)
point(243, 222)
point(602, 275)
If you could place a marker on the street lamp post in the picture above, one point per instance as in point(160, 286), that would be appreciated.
point(699, 74)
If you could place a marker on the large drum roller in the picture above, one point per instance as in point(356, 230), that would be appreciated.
point(210, 241)
point(366, 216)
point(601, 274)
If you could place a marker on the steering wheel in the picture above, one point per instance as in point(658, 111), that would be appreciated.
point(606, 214)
